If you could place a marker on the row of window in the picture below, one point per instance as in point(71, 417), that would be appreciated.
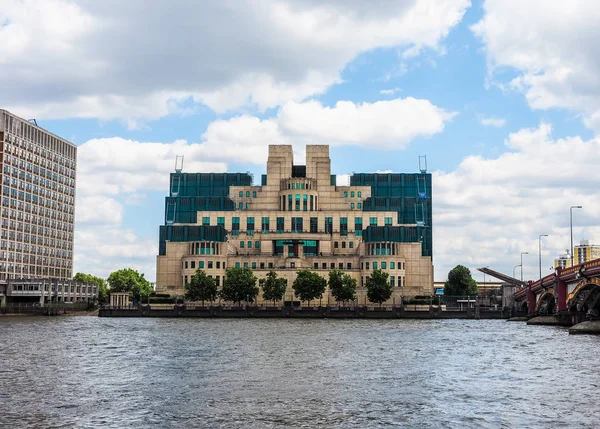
point(296, 224)
point(383, 265)
point(19, 271)
point(247, 194)
point(38, 187)
point(25, 136)
point(48, 202)
point(46, 216)
point(201, 264)
point(45, 168)
point(350, 244)
point(37, 260)
point(352, 194)
point(32, 248)
point(65, 289)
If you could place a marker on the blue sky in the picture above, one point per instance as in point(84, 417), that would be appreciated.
point(501, 97)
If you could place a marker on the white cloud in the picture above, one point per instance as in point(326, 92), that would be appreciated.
point(114, 59)
point(487, 211)
point(98, 209)
point(553, 48)
point(492, 122)
point(390, 91)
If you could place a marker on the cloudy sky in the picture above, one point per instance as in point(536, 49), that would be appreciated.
point(503, 97)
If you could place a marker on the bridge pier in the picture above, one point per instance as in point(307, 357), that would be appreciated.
point(530, 300)
point(561, 294)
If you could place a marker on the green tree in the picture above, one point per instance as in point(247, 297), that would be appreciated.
point(379, 288)
point(239, 285)
point(308, 285)
point(273, 287)
point(93, 280)
point(460, 282)
point(129, 280)
point(342, 286)
point(201, 287)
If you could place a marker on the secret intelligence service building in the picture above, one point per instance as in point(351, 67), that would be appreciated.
point(298, 219)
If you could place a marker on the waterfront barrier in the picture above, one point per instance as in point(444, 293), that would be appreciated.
point(333, 312)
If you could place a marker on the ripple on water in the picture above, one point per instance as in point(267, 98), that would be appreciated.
point(137, 373)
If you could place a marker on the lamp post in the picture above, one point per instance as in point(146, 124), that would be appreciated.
point(571, 213)
point(540, 250)
point(522, 253)
point(514, 270)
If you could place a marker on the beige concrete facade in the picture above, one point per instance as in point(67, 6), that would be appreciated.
point(294, 223)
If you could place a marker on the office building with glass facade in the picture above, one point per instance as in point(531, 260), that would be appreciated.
point(298, 218)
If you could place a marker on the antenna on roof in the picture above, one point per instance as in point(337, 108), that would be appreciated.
point(423, 163)
point(33, 120)
point(178, 163)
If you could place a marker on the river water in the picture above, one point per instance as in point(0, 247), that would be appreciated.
point(89, 372)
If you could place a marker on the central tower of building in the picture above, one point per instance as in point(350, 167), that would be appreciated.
point(298, 219)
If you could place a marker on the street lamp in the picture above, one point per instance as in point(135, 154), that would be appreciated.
point(522, 253)
point(514, 270)
point(571, 213)
point(540, 250)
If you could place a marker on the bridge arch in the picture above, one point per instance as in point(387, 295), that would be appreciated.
point(546, 303)
point(585, 296)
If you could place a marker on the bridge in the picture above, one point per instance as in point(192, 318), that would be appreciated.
point(568, 294)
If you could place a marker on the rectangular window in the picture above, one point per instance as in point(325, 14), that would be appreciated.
point(352, 194)
point(383, 265)
point(366, 265)
point(373, 221)
point(218, 281)
point(185, 279)
point(247, 194)
point(358, 226)
point(358, 194)
point(343, 244)
point(242, 244)
point(186, 265)
point(324, 265)
point(262, 265)
point(359, 205)
point(257, 244)
point(237, 265)
point(210, 264)
point(235, 225)
point(290, 203)
point(392, 281)
point(249, 245)
point(335, 244)
point(270, 264)
point(200, 264)
point(388, 220)
point(193, 264)
point(392, 265)
point(221, 221)
point(315, 265)
point(245, 264)
point(241, 194)
point(345, 194)
point(314, 224)
point(332, 266)
point(352, 244)
point(374, 265)
point(206, 221)
point(349, 266)
point(297, 202)
point(250, 225)
point(296, 224)
point(218, 264)
point(253, 265)
point(351, 205)
point(280, 224)
point(240, 205)
point(254, 194)
point(328, 225)
point(341, 265)
point(343, 226)
point(265, 225)
point(304, 202)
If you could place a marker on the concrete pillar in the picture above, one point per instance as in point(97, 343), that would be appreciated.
point(3, 301)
